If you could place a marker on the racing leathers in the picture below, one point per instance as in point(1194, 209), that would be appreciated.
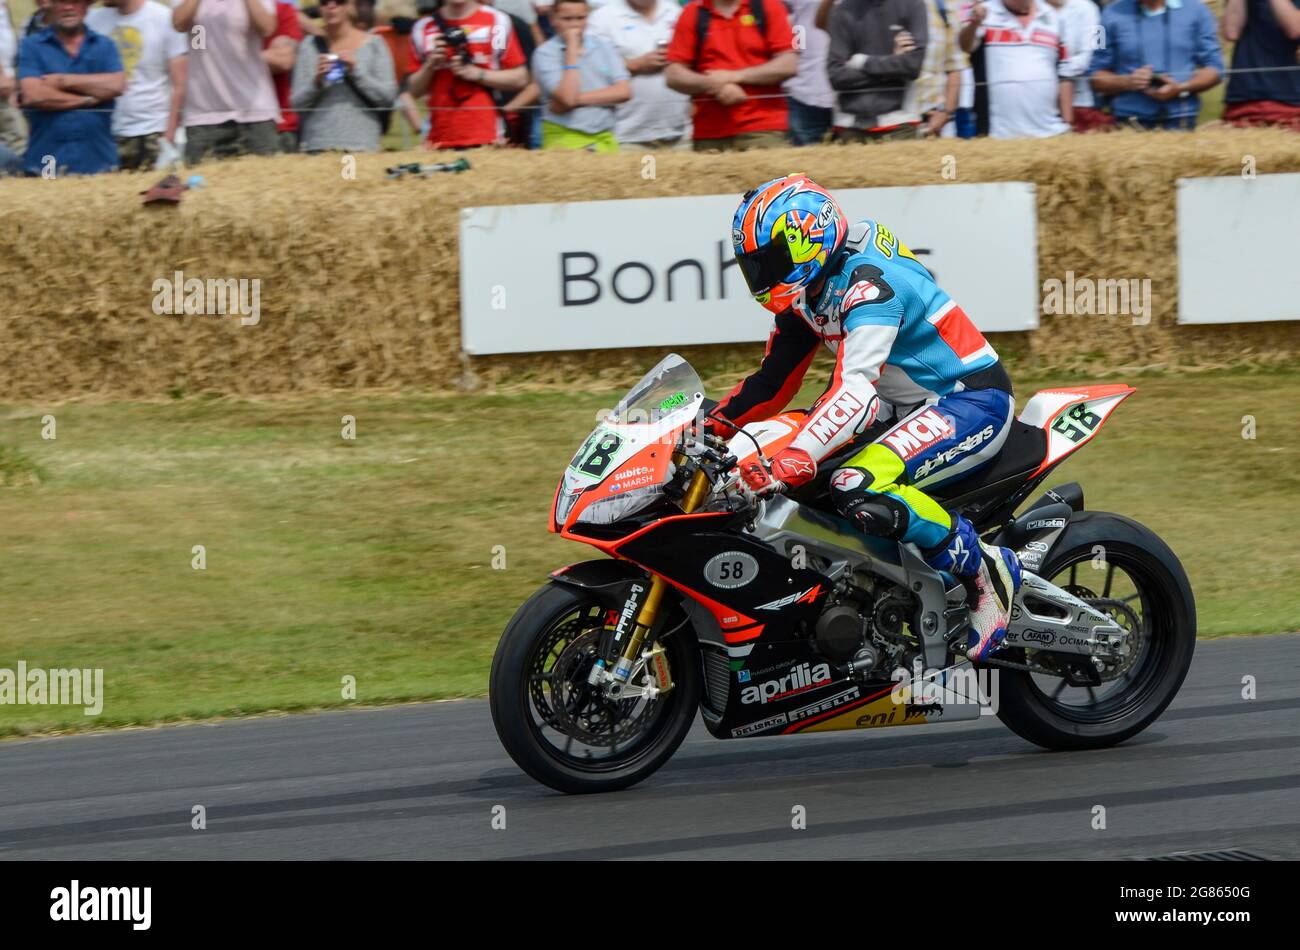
point(905, 354)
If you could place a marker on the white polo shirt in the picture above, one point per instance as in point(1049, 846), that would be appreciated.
point(1022, 65)
point(654, 112)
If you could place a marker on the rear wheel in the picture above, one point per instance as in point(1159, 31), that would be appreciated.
point(565, 733)
point(1122, 569)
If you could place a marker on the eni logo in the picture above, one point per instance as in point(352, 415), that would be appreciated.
point(747, 19)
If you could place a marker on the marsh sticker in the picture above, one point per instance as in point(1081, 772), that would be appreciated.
point(730, 569)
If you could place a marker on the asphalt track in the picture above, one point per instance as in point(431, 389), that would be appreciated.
point(1215, 772)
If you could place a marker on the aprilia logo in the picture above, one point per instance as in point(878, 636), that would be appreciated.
point(835, 417)
point(801, 678)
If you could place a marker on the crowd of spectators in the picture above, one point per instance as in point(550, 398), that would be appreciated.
point(136, 84)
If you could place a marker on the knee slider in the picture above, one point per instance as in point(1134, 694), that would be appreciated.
point(882, 516)
point(873, 512)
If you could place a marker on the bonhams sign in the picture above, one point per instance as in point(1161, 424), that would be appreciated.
point(659, 272)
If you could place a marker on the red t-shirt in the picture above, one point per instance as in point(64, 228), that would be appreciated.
point(735, 43)
point(463, 113)
point(286, 24)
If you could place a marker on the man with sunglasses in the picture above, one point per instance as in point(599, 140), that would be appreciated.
point(905, 354)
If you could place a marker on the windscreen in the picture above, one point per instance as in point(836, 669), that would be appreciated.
point(651, 415)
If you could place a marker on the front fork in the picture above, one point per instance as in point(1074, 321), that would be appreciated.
point(697, 492)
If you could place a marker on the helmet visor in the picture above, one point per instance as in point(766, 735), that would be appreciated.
point(766, 267)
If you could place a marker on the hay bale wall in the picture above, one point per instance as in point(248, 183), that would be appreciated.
point(359, 283)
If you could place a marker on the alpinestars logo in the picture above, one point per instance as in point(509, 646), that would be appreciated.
point(847, 479)
point(967, 444)
point(864, 291)
point(785, 467)
point(959, 554)
point(807, 597)
point(800, 679)
point(912, 436)
point(835, 417)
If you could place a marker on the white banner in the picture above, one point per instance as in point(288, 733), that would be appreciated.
point(659, 271)
point(1236, 249)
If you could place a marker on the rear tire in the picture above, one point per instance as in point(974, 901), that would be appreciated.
point(512, 703)
point(1166, 597)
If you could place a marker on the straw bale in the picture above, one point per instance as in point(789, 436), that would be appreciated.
point(359, 282)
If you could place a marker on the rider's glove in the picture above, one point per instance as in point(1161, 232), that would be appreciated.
point(791, 468)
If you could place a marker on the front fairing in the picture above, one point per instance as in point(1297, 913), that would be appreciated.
point(624, 463)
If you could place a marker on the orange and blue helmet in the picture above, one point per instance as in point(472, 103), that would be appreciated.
point(783, 234)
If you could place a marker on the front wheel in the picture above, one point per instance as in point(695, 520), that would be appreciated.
point(565, 733)
point(1123, 569)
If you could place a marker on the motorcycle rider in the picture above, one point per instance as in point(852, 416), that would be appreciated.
point(905, 352)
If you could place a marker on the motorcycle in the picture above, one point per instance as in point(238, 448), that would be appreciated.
point(774, 615)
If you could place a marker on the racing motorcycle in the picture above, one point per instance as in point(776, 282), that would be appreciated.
point(774, 615)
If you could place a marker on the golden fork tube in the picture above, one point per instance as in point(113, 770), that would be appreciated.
point(696, 493)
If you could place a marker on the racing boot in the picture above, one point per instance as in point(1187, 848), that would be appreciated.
point(991, 576)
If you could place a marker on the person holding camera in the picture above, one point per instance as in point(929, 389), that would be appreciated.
point(1158, 56)
point(461, 53)
point(343, 83)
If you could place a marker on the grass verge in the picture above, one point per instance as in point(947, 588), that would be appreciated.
point(373, 558)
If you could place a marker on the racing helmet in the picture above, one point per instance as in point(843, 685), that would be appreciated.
point(783, 234)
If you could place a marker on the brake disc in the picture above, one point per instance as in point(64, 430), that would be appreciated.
point(583, 711)
point(558, 638)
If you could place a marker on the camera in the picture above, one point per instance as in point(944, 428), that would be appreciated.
point(457, 43)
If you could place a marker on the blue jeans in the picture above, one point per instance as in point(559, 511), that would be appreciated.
point(808, 124)
point(1182, 123)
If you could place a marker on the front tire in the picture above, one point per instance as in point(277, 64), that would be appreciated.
point(545, 629)
point(1167, 636)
